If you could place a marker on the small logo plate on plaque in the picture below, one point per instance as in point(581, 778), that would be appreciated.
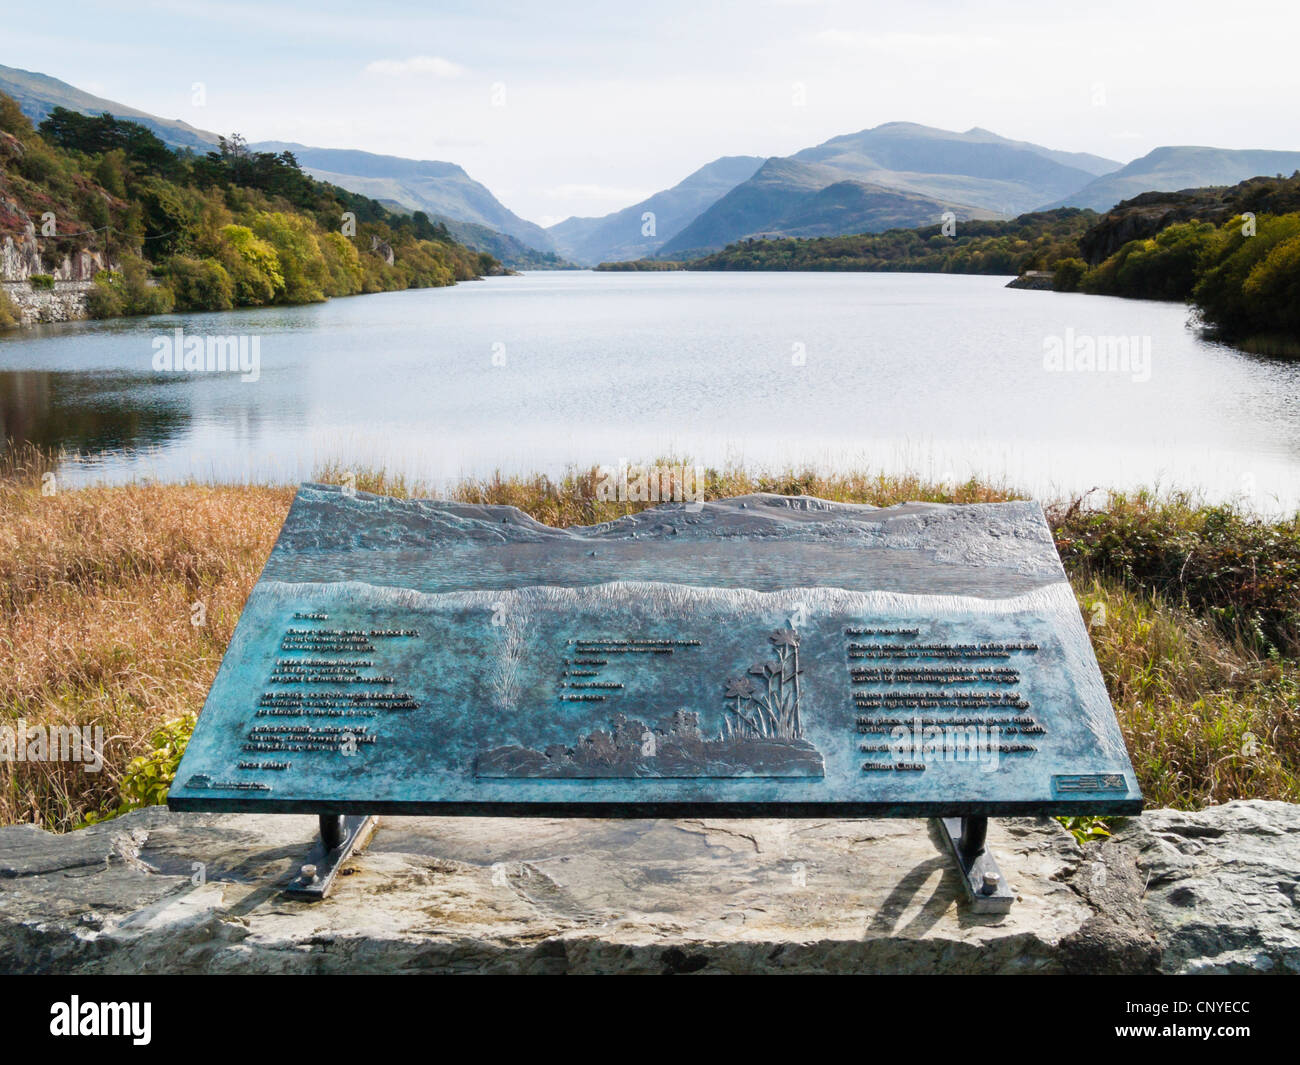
point(1070, 783)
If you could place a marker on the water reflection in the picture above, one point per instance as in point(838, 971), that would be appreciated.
point(89, 412)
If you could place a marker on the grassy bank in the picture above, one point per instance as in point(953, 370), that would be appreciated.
point(1193, 610)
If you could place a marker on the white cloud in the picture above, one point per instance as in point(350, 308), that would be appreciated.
point(433, 65)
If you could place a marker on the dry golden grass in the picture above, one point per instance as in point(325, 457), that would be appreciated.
point(572, 499)
point(97, 600)
point(98, 588)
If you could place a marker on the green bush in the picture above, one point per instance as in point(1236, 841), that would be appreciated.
point(305, 270)
point(41, 282)
point(1251, 286)
point(149, 777)
point(1163, 267)
point(1217, 561)
point(105, 300)
point(12, 119)
point(252, 265)
point(199, 284)
point(346, 275)
point(1068, 272)
point(127, 292)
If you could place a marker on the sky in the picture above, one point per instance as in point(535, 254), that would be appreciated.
point(583, 108)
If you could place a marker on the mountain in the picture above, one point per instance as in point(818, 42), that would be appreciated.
point(420, 185)
point(39, 94)
point(860, 207)
point(795, 199)
point(436, 188)
point(976, 167)
point(1092, 164)
point(1170, 169)
point(897, 174)
point(619, 236)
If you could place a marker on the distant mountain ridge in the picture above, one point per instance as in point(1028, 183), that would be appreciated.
point(895, 174)
point(976, 167)
point(435, 187)
point(899, 174)
point(624, 234)
point(1171, 168)
point(39, 94)
point(790, 198)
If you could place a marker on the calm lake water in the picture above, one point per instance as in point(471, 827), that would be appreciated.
point(933, 374)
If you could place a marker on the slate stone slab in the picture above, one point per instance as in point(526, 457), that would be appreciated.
point(764, 655)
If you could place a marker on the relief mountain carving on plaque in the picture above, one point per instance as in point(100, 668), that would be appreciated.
point(761, 736)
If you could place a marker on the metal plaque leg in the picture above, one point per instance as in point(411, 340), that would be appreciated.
point(986, 888)
point(339, 836)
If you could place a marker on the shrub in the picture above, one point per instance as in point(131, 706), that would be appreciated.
point(105, 300)
point(344, 265)
point(1068, 272)
point(1239, 292)
point(127, 292)
point(41, 282)
point(148, 777)
point(1163, 267)
point(1240, 571)
point(12, 119)
point(200, 284)
point(301, 260)
point(253, 266)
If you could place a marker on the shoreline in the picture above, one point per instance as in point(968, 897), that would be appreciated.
point(66, 302)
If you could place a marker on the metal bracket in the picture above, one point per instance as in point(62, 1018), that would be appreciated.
point(340, 835)
point(986, 888)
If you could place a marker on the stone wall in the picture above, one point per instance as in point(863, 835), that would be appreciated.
point(66, 302)
point(1216, 891)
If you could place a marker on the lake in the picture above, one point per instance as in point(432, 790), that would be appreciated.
point(939, 375)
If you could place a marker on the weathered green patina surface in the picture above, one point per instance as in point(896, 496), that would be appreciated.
point(757, 656)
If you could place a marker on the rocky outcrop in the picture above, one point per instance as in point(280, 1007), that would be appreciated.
point(383, 249)
point(1035, 279)
point(81, 266)
point(161, 892)
point(486, 895)
point(1222, 886)
point(21, 259)
point(24, 254)
point(1145, 216)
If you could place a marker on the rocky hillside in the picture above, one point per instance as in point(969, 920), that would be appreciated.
point(1146, 215)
